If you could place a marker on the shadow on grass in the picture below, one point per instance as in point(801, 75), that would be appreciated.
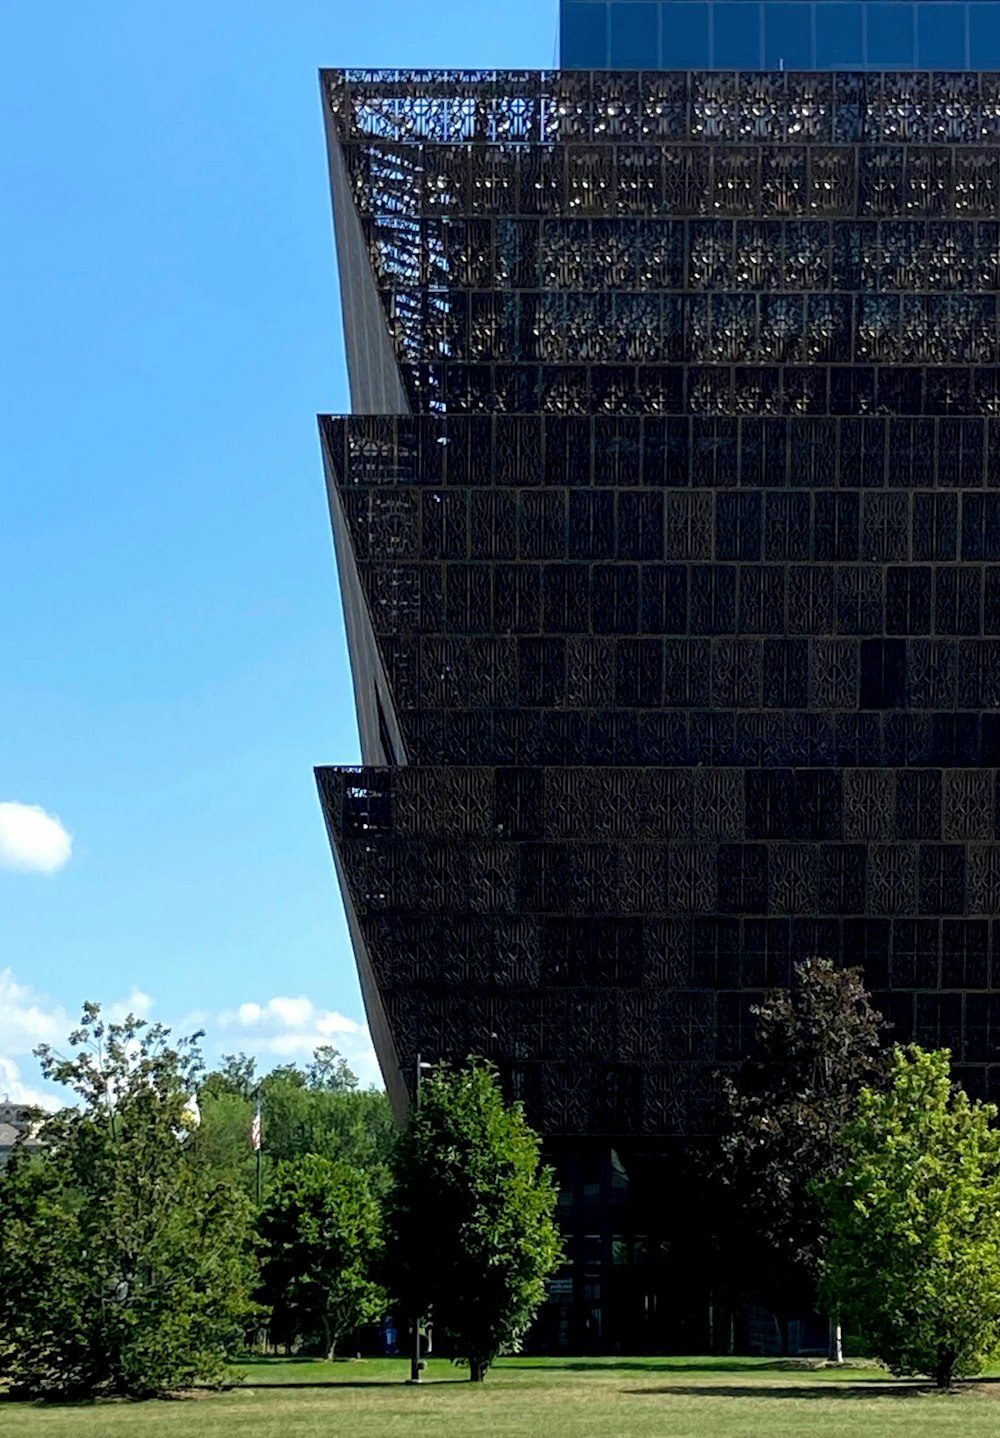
point(675, 1365)
point(267, 1360)
point(896, 1390)
point(255, 1375)
point(189, 1395)
point(248, 1382)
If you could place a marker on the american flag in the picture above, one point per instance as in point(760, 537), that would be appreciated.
point(255, 1130)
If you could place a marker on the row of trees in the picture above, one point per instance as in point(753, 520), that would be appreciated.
point(861, 1178)
point(142, 1241)
point(317, 1109)
point(139, 1249)
point(465, 1228)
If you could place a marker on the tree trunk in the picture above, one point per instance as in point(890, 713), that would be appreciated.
point(945, 1369)
point(783, 1331)
point(477, 1370)
point(836, 1342)
point(329, 1342)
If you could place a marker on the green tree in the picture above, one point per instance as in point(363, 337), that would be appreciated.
point(222, 1138)
point(317, 1110)
point(330, 1071)
point(781, 1126)
point(471, 1216)
point(321, 1235)
point(914, 1217)
point(345, 1123)
point(237, 1077)
point(125, 1266)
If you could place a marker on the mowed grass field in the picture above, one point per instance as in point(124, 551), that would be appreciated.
point(609, 1398)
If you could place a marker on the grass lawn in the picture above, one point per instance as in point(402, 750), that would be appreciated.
point(525, 1398)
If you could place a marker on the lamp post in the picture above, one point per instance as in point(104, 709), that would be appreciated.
point(416, 1362)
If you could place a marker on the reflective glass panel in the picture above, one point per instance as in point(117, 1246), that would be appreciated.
point(890, 34)
point(584, 36)
point(736, 36)
point(940, 36)
point(838, 35)
point(787, 36)
point(635, 36)
point(685, 36)
point(984, 37)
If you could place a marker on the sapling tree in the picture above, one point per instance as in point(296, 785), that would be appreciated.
point(914, 1221)
point(472, 1233)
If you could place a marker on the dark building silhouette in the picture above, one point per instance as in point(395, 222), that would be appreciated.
point(668, 525)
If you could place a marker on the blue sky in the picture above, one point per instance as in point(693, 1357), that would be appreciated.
point(173, 660)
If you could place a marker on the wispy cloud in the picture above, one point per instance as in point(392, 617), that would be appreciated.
point(291, 1028)
point(275, 1030)
point(13, 1088)
point(137, 1003)
point(32, 840)
point(27, 1019)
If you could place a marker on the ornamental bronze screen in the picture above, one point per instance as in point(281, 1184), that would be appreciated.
point(669, 537)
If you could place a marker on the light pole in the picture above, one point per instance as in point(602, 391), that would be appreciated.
point(416, 1362)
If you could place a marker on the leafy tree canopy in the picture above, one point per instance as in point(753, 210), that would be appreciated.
point(914, 1217)
point(236, 1077)
point(320, 1230)
point(818, 1046)
point(472, 1229)
point(124, 1263)
point(330, 1072)
point(319, 1109)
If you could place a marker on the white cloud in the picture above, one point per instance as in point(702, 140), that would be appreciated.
point(279, 1030)
point(15, 1090)
point(292, 1013)
point(27, 1019)
point(291, 1028)
point(32, 840)
point(334, 1023)
point(137, 1003)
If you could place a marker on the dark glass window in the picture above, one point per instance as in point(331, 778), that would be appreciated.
point(890, 34)
point(838, 35)
point(584, 35)
point(940, 36)
point(635, 43)
point(685, 36)
point(787, 36)
point(735, 36)
point(984, 37)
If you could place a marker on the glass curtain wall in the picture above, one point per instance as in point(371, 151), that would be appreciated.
point(780, 35)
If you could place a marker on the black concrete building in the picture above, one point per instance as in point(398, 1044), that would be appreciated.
point(668, 525)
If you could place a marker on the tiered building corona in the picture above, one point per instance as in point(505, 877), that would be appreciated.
point(668, 526)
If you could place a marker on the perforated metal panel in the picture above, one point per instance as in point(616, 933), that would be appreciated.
point(684, 572)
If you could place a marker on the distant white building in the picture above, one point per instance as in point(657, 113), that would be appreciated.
point(15, 1119)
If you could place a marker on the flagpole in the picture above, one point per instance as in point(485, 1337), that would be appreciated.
point(257, 1139)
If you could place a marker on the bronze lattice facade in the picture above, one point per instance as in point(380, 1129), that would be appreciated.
point(668, 523)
